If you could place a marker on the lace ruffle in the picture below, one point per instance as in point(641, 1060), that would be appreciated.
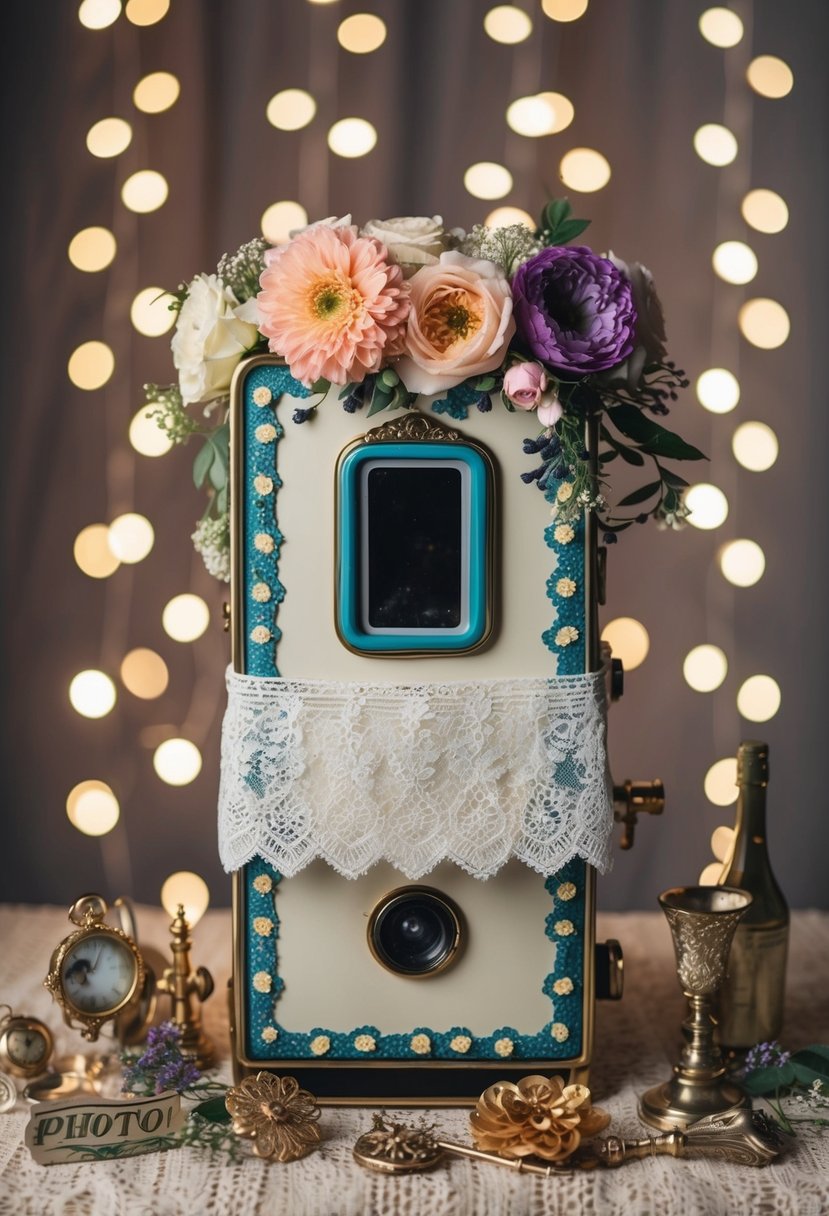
point(470, 772)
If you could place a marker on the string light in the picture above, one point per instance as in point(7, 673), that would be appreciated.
point(721, 782)
point(177, 761)
point(759, 698)
point(770, 76)
point(281, 219)
point(487, 179)
point(189, 889)
point(156, 92)
point(735, 262)
point(92, 694)
point(352, 137)
point(90, 365)
point(584, 169)
point(755, 446)
point(764, 323)
point(705, 667)
point(708, 506)
point(185, 617)
point(721, 27)
point(98, 14)
point(715, 144)
point(564, 10)
point(361, 33)
point(718, 390)
point(742, 562)
point(146, 12)
point(532, 116)
point(92, 808)
point(628, 639)
point(562, 109)
point(92, 249)
point(151, 313)
point(109, 137)
point(291, 109)
point(502, 217)
point(144, 673)
point(146, 436)
point(145, 191)
point(131, 537)
point(507, 24)
point(722, 842)
point(765, 210)
point(92, 552)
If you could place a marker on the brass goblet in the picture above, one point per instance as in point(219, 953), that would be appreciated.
point(702, 921)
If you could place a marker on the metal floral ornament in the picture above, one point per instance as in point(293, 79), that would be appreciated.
point(537, 1117)
point(278, 1116)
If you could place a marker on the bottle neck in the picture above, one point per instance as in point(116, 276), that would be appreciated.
point(750, 866)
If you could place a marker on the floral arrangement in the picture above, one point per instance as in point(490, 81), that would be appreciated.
point(405, 307)
point(795, 1084)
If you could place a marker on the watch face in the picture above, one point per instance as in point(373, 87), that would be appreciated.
point(26, 1046)
point(98, 973)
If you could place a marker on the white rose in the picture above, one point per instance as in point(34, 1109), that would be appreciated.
point(332, 221)
point(211, 337)
point(649, 337)
point(412, 240)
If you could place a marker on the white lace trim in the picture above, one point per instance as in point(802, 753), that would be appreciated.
point(474, 772)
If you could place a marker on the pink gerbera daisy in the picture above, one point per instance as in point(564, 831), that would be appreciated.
point(333, 305)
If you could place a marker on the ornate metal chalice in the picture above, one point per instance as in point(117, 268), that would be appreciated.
point(702, 921)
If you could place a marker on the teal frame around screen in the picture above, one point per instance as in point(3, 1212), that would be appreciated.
point(348, 549)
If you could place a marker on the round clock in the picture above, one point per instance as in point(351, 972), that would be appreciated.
point(96, 971)
point(26, 1045)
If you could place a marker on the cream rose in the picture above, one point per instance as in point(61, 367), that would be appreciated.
point(649, 335)
point(460, 324)
point(210, 339)
point(412, 240)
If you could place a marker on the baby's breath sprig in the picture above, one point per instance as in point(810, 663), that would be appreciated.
point(168, 411)
point(507, 247)
point(240, 271)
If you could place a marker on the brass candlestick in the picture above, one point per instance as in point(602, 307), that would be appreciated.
point(702, 922)
point(187, 987)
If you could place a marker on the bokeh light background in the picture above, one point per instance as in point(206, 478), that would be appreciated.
point(146, 138)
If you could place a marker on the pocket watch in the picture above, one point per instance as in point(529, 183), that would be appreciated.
point(26, 1044)
point(96, 971)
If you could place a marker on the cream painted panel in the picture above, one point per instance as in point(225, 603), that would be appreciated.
point(310, 649)
point(332, 980)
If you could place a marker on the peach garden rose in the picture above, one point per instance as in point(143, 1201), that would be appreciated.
point(460, 324)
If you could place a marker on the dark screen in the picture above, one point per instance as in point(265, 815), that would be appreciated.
point(414, 547)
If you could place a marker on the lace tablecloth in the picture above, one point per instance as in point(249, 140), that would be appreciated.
point(637, 1042)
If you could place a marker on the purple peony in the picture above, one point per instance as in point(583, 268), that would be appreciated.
point(574, 310)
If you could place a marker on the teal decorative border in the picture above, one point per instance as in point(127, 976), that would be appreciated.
point(266, 1038)
point(560, 1038)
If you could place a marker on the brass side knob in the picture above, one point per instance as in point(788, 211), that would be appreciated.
point(226, 617)
point(634, 798)
point(610, 970)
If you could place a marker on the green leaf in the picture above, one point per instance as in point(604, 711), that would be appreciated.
point(213, 1110)
point(651, 437)
point(768, 1080)
point(673, 479)
point(606, 457)
point(507, 402)
point(641, 494)
point(569, 229)
point(555, 213)
point(221, 499)
point(484, 384)
point(203, 462)
point(322, 386)
point(380, 399)
point(631, 455)
point(389, 378)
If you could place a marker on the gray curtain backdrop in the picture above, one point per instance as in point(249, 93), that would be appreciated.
point(642, 80)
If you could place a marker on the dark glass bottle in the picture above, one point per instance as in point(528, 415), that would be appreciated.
point(752, 998)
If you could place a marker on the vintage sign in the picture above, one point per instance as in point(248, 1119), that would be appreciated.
point(95, 1129)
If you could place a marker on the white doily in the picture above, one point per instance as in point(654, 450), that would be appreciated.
point(474, 772)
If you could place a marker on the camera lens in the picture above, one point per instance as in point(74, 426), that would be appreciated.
point(415, 931)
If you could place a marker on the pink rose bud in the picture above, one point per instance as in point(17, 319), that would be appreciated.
point(550, 409)
point(524, 384)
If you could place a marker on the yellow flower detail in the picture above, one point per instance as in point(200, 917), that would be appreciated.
point(566, 635)
point(263, 925)
point(565, 491)
point(559, 1032)
point(566, 890)
point(321, 1045)
point(421, 1044)
point(461, 1043)
point(266, 433)
point(260, 634)
point(263, 542)
point(262, 395)
point(564, 534)
point(262, 484)
point(263, 883)
point(262, 981)
point(563, 987)
point(260, 592)
point(365, 1042)
point(564, 928)
point(504, 1047)
point(566, 587)
point(270, 1034)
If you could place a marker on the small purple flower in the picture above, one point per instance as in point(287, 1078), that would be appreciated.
point(765, 1055)
point(574, 310)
